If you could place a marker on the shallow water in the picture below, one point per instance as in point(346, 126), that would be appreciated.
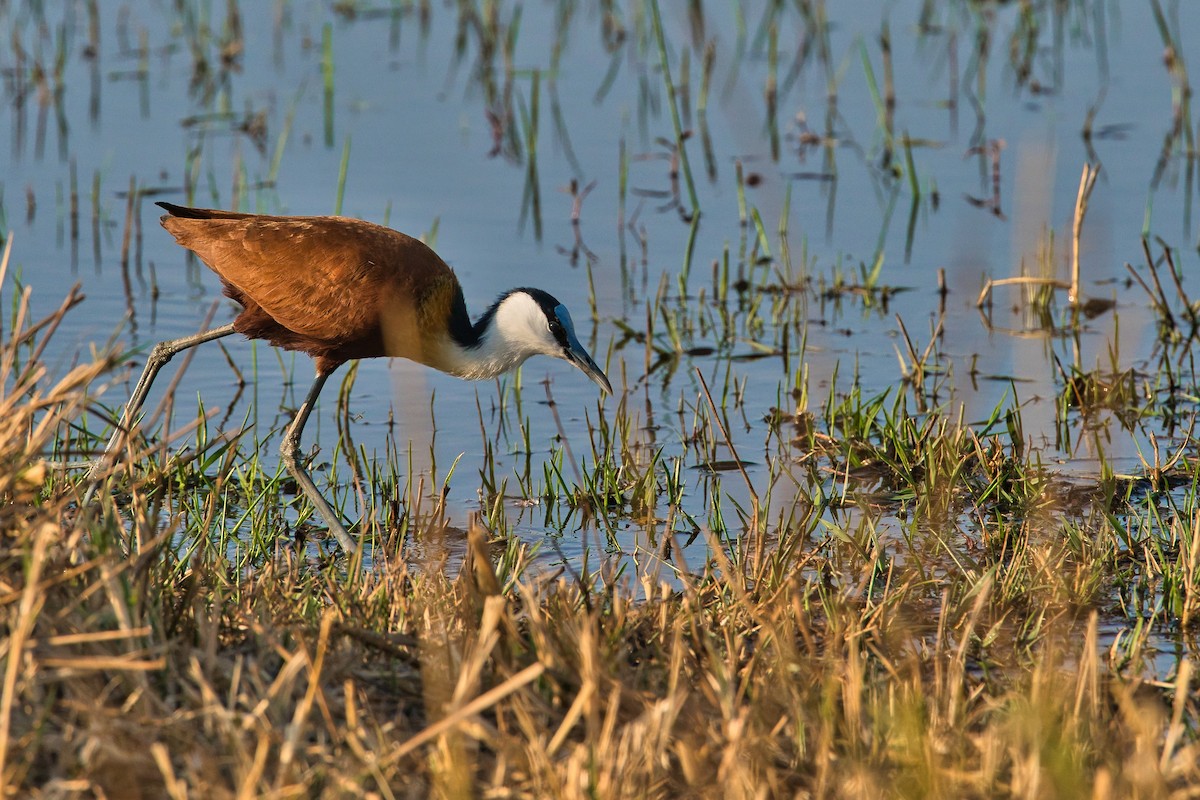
point(407, 112)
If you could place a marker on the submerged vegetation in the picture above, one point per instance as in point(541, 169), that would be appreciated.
point(773, 565)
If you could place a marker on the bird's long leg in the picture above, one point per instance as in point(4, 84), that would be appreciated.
point(289, 450)
point(159, 356)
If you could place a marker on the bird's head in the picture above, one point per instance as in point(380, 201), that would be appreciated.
point(528, 322)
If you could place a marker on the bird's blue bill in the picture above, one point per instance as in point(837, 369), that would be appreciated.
point(577, 355)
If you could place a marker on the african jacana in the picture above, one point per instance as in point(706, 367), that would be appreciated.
point(340, 288)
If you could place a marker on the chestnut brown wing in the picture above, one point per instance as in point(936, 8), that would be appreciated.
point(321, 277)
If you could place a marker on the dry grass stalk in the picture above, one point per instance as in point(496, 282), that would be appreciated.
point(1087, 182)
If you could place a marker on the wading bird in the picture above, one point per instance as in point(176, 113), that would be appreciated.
point(340, 288)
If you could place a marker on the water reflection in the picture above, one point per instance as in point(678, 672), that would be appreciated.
point(802, 201)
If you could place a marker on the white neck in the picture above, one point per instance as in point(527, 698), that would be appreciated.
point(515, 331)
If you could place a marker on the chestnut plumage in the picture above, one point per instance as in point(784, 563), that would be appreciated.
point(338, 289)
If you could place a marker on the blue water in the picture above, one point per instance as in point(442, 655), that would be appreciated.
point(408, 114)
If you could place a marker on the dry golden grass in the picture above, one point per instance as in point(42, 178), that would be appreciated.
point(153, 676)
